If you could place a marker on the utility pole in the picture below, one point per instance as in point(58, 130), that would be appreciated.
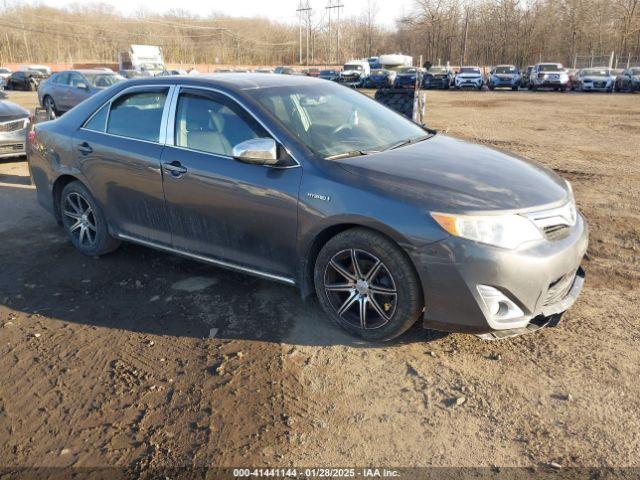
point(463, 52)
point(304, 7)
point(330, 7)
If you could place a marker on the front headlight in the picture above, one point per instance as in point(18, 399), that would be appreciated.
point(505, 231)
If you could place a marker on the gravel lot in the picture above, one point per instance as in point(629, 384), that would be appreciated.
point(109, 362)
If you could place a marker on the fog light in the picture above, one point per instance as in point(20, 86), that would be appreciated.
point(498, 304)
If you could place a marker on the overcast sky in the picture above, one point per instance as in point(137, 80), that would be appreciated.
point(284, 10)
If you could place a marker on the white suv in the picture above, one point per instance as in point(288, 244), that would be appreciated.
point(549, 75)
point(469, 77)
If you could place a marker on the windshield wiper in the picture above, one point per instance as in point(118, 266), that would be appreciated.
point(353, 153)
point(408, 141)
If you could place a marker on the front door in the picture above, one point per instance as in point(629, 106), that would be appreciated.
point(221, 208)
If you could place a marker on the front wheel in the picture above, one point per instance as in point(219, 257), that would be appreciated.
point(84, 222)
point(49, 104)
point(367, 285)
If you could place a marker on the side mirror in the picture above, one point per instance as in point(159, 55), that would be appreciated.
point(82, 86)
point(260, 151)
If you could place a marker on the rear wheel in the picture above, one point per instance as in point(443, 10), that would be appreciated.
point(367, 285)
point(49, 104)
point(84, 222)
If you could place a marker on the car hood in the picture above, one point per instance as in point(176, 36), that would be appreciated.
point(11, 111)
point(350, 72)
point(450, 175)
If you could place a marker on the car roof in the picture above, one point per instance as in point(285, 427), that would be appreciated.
point(230, 81)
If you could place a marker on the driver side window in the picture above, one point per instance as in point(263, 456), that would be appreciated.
point(213, 124)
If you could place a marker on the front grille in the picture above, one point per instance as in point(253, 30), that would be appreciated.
point(14, 148)
point(555, 223)
point(559, 289)
point(12, 126)
point(599, 84)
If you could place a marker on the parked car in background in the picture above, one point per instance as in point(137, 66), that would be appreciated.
point(264, 70)
point(314, 185)
point(380, 78)
point(173, 72)
point(14, 125)
point(628, 80)
point(312, 72)
point(374, 63)
point(5, 73)
point(504, 76)
point(64, 90)
point(526, 76)
point(129, 74)
point(469, 77)
point(354, 73)
point(43, 69)
point(438, 77)
point(406, 77)
point(329, 75)
point(549, 75)
point(571, 73)
point(24, 80)
point(599, 79)
point(285, 71)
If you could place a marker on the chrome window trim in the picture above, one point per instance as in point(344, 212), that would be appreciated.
point(170, 132)
point(213, 261)
point(128, 90)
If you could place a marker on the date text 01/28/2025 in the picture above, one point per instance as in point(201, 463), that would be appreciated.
point(316, 473)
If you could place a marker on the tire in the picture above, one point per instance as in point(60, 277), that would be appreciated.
point(48, 102)
point(387, 315)
point(80, 213)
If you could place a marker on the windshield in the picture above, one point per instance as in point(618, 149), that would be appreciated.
point(332, 120)
point(4, 70)
point(437, 70)
point(378, 72)
point(595, 72)
point(103, 79)
point(353, 67)
point(152, 66)
point(505, 70)
point(407, 70)
point(469, 70)
point(550, 68)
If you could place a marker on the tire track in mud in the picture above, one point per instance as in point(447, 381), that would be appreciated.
point(105, 375)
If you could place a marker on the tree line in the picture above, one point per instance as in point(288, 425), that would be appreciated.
point(484, 32)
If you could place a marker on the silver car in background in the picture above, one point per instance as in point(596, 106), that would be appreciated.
point(64, 90)
point(14, 125)
point(599, 79)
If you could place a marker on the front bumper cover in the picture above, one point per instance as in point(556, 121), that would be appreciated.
point(451, 270)
point(13, 144)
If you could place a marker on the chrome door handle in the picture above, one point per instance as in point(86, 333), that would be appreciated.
point(175, 168)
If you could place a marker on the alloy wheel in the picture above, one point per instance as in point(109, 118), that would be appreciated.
point(80, 219)
point(360, 289)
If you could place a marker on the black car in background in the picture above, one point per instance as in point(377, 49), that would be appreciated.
point(406, 77)
point(25, 80)
point(628, 81)
point(438, 77)
point(379, 78)
point(329, 75)
point(526, 76)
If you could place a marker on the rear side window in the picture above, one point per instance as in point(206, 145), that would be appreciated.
point(138, 115)
point(61, 78)
point(213, 124)
point(98, 122)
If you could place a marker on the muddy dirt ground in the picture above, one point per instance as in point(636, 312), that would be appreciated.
point(110, 362)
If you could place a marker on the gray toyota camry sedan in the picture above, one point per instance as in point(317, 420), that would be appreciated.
point(312, 184)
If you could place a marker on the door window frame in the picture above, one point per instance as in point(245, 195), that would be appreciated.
point(127, 91)
point(171, 123)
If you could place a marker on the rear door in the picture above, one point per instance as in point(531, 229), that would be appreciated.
point(58, 89)
point(239, 213)
point(118, 150)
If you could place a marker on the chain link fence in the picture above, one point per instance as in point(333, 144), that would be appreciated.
point(611, 60)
